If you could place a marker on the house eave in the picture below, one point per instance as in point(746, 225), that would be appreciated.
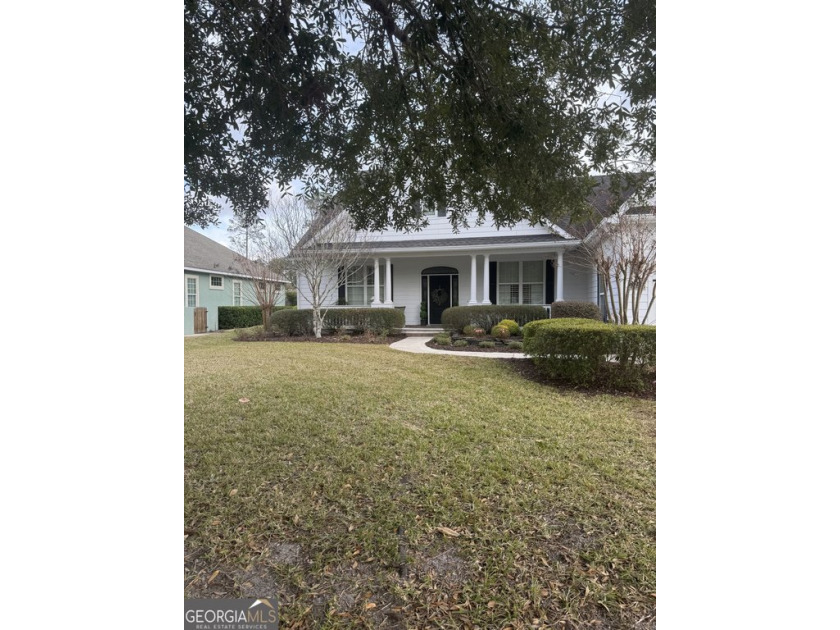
point(478, 249)
point(229, 274)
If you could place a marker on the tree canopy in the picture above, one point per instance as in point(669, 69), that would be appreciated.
point(387, 106)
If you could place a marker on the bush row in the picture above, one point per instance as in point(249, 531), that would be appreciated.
point(577, 350)
point(571, 308)
point(379, 321)
point(243, 316)
point(456, 318)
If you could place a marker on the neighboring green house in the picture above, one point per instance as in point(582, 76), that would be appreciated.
point(213, 277)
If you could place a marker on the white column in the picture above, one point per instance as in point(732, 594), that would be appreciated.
point(388, 300)
point(558, 277)
point(486, 279)
point(472, 281)
point(376, 301)
point(594, 284)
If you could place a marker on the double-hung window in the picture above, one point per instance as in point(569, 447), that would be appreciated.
point(521, 282)
point(360, 290)
point(237, 293)
point(533, 282)
point(508, 290)
point(192, 291)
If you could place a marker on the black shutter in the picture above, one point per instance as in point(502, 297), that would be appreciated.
point(549, 281)
point(493, 281)
point(342, 286)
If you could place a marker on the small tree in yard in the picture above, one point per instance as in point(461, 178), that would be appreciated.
point(265, 269)
point(623, 250)
point(320, 242)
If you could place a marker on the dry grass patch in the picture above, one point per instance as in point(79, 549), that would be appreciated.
point(517, 503)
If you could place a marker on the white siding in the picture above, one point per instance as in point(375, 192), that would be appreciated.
point(578, 278)
point(305, 294)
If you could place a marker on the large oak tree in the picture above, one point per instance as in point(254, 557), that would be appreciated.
point(390, 105)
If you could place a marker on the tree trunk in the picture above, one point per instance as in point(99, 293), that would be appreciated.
point(266, 318)
point(317, 322)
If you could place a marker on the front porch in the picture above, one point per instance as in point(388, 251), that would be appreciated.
point(426, 285)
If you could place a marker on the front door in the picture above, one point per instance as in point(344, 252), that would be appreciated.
point(440, 297)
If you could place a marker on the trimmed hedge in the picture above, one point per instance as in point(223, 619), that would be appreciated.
point(379, 321)
point(577, 350)
point(571, 308)
point(293, 322)
point(486, 316)
point(242, 316)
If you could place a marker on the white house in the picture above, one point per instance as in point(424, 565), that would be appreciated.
point(433, 269)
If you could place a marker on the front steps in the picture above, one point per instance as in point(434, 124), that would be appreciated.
point(421, 331)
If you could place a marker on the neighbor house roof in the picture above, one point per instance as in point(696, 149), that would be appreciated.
point(206, 254)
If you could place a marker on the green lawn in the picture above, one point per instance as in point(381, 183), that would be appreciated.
point(300, 492)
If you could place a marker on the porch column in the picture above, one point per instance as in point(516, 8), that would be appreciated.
point(486, 279)
point(595, 295)
point(472, 281)
point(388, 300)
point(558, 275)
point(376, 301)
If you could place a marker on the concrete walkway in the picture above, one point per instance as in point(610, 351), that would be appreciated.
point(417, 345)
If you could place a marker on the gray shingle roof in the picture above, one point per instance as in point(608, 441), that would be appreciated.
point(606, 198)
point(201, 252)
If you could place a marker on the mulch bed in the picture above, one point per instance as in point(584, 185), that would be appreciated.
point(470, 348)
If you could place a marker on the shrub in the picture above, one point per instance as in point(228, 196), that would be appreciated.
point(242, 316)
point(461, 343)
point(531, 328)
point(469, 330)
point(443, 340)
point(515, 345)
point(291, 297)
point(511, 325)
point(484, 316)
point(571, 308)
point(252, 333)
point(577, 350)
point(500, 332)
point(486, 344)
point(292, 322)
point(379, 321)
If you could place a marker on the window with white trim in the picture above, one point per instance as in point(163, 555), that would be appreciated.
point(359, 289)
point(217, 282)
point(508, 289)
point(237, 293)
point(520, 282)
point(533, 282)
point(192, 291)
